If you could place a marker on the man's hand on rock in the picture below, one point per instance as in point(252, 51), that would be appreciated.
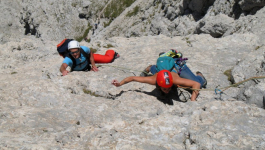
point(94, 68)
point(116, 83)
point(65, 72)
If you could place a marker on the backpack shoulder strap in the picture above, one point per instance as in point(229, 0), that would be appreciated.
point(87, 55)
point(73, 60)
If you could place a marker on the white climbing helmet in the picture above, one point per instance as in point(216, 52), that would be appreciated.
point(73, 44)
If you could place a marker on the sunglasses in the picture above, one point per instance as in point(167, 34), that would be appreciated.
point(75, 52)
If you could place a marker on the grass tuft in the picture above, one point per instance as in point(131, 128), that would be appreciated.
point(257, 47)
point(108, 46)
point(133, 12)
point(90, 93)
point(115, 8)
point(228, 73)
point(93, 50)
point(80, 38)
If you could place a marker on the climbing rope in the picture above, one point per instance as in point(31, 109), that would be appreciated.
point(216, 90)
point(221, 90)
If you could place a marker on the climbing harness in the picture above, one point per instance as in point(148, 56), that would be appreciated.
point(180, 63)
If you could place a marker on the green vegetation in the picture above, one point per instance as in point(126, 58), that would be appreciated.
point(133, 12)
point(115, 8)
point(149, 21)
point(74, 4)
point(107, 24)
point(87, 40)
point(79, 39)
point(93, 50)
point(187, 40)
point(228, 73)
point(13, 72)
point(157, 4)
point(90, 93)
point(48, 76)
point(257, 47)
point(108, 46)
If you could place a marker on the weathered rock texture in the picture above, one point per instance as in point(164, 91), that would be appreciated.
point(40, 109)
point(48, 20)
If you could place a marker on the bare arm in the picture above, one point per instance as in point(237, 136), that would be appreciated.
point(187, 83)
point(92, 61)
point(63, 69)
point(149, 80)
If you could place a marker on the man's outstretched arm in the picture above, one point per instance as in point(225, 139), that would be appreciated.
point(149, 80)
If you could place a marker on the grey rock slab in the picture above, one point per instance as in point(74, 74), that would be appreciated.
point(40, 109)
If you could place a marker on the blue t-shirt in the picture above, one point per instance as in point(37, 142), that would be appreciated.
point(81, 62)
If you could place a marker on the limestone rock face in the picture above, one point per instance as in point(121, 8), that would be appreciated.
point(84, 110)
point(215, 27)
point(182, 17)
point(75, 18)
point(200, 6)
point(40, 109)
point(10, 25)
point(48, 20)
point(252, 65)
point(248, 5)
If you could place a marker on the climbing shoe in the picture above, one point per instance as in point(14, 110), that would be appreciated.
point(116, 55)
point(146, 71)
point(205, 81)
